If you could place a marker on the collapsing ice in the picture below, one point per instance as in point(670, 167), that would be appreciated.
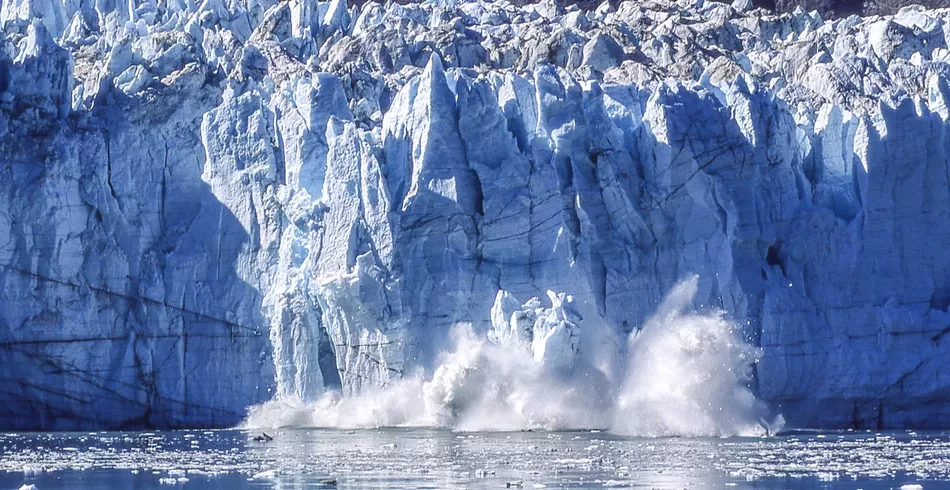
point(683, 373)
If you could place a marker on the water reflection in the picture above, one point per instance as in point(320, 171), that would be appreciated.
point(419, 458)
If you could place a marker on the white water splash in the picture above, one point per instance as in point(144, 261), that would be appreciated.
point(478, 386)
point(686, 374)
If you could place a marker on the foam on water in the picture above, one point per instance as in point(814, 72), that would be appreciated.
point(686, 373)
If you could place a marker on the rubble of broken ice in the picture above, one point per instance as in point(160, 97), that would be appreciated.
point(205, 205)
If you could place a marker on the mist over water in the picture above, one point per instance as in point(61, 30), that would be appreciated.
point(685, 373)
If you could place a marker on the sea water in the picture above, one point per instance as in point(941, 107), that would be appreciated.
point(428, 458)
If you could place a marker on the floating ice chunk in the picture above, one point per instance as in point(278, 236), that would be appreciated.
point(265, 475)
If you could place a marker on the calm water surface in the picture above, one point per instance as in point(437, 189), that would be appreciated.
point(419, 458)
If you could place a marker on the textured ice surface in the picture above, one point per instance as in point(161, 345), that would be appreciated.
point(205, 205)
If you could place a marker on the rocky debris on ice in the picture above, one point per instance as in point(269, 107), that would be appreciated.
point(209, 204)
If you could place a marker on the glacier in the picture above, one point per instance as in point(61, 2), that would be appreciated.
point(208, 205)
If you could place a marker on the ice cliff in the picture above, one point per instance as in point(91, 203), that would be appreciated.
point(209, 204)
